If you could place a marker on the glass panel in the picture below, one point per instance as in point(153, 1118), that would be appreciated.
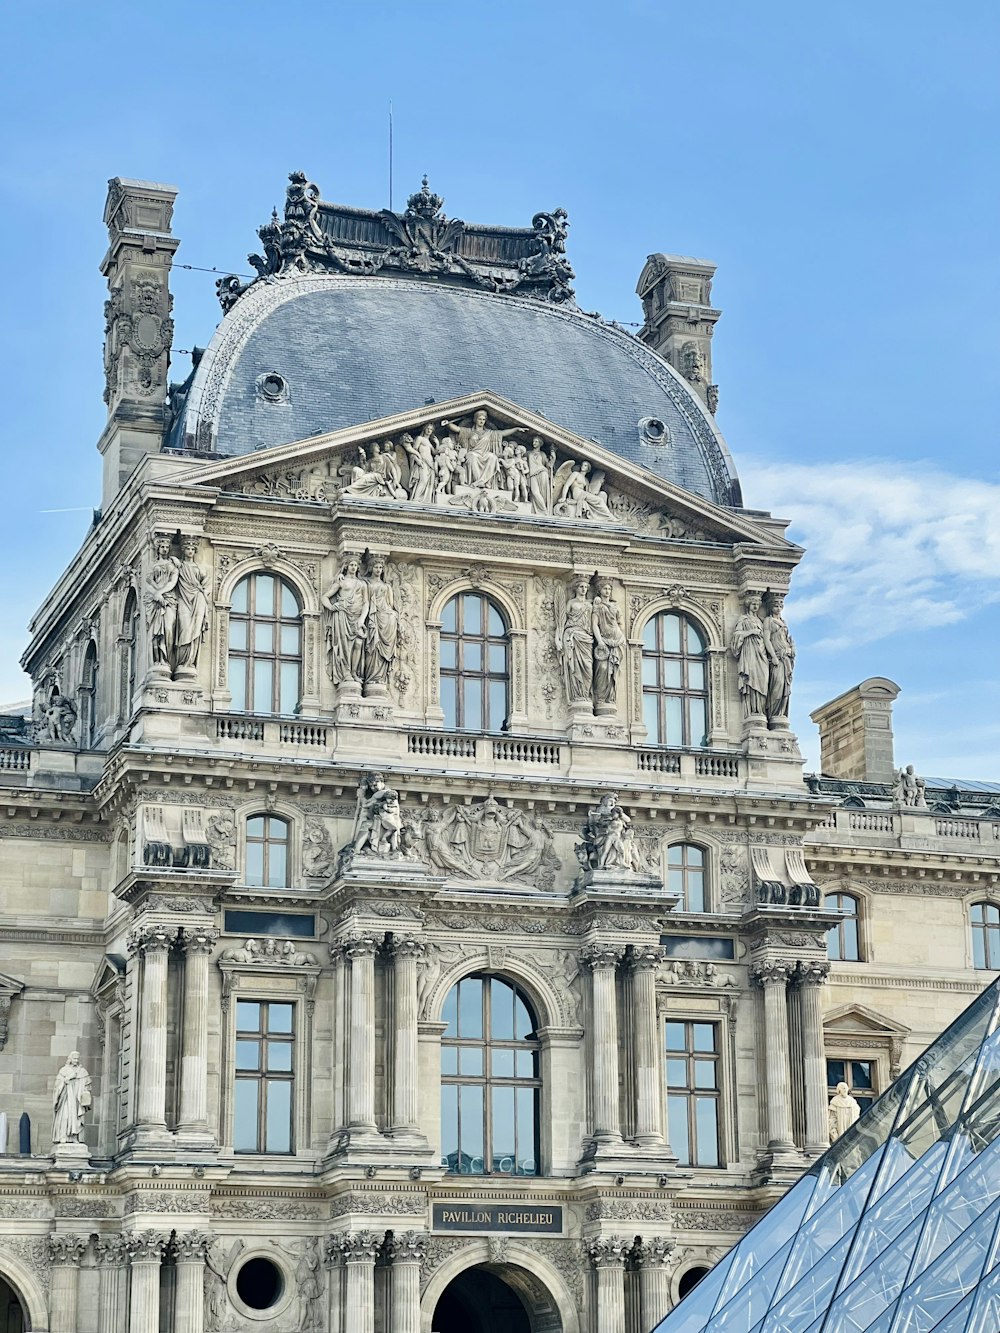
point(527, 1102)
point(497, 629)
point(472, 704)
point(471, 1107)
point(289, 602)
point(470, 1007)
point(449, 1127)
point(696, 675)
point(501, 1010)
point(255, 863)
point(677, 1073)
point(279, 1056)
point(279, 1017)
point(238, 634)
point(288, 700)
point(672, 679)
point(240, 596)
point(472, 614)
point(279, 1116)
point(263, 637)
point(675, 854)
point(247, 1016)
point(677, 1122)
point(861, 1074)
point(470, 1060)
point(263, 685)
point(498, 658)
point(504, 1155)
point(704, 1073)
point(502, 1061)
point(704, 1036)
point(649, 636)
point(449, 1059)
point(697, 721)
point(448, 617)
point(449, 657)
point(277, 875)
point(650, 675)
point(673, 710)
point(671, 625)
point(290, 636)
point(675, 1037)
point(527, 1064)
point(524, 1024)
point(695, 643)
point(978, 948)
point(695, 896)
point(472, 655)
point(270, 923)
point(264, 595)
point(706, 1111)
point(651, 717)
point(238, 684)
point(449, 1013)
point(245, 1115)
point(248, 1055)
point(498, 704)
point(448, 706)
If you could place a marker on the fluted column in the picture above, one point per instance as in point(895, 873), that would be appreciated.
point(65, 1254)
point(603, 960)
point(651, 1256)
point(198, 945)
point(189, 1250)
point(360, 1251)
point(152, 943)
point(359, 950)
point(407, 951)
point(772, 977)
point(608, 1255)
point(811, 976)
point(407, 1252)
point(111, 1258)
point(334, 1256)
point(145, 1249)
point(643, 962)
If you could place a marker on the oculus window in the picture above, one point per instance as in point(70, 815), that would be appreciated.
point(674, 681)
point(265, 646)
point(475, 664)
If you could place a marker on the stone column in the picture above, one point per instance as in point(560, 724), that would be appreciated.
point(772, 977)
point(152, 943)
point(190, 1249)
point(198, 945)
point(608, 1255)
point(359, 950)
point(360, 1251)
point(145, 1249)
point(811, 976)
point(111, 1257)
point(65, 1255)
point(407, 1252)
point(652, 1255)
point(603, 960)
point(407, 951)
point(643, 962)
point(335, 1285)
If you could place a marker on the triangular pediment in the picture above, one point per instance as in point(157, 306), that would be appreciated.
point(859, 1020)
point(514, 463)
point(10, 985)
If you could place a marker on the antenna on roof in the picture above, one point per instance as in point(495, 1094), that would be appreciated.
point(390, 157)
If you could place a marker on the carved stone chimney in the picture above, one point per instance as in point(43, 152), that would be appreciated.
point(855, 732)
point(676, 295)
point(138, 328)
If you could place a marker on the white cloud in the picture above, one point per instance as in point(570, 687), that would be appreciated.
point(891, 546)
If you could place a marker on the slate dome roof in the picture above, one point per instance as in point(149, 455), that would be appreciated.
point(302, 354)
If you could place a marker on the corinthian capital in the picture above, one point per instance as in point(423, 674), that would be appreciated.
point(146, 1247)
point(653, 1251)
point(408, 946)
point(408, 1247)
point(151, 937)
point(110, 1250)
point(644, 958)
point(199, 940)
point(812, 974)
point(771, 972)
point(598, 956)
point(361, 1247)
point(609, 1251)
point(190, 1247)
point(361, 946)
point(65, 1249)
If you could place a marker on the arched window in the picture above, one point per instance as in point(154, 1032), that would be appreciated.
point(490, 1083)
point(475, 664)
point(984, 918)
point(842, 940)
point(686, 876)
point(265, 646)
point(88, 699)
point(674, 681)
point(128, 642)
point(267, 859)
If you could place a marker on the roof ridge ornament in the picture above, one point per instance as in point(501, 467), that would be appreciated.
point(425, 202)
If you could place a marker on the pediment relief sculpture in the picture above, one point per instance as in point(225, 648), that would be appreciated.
point(491, 843)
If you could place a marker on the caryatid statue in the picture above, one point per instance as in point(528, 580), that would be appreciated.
point(161, 603)
point(747, 646)
point(347, 603)
point(574, 638)
point(780, 649)
point(844, 1110)
point(191, 624)
point(71, 1098)
point(382, 630)
point(609, 648)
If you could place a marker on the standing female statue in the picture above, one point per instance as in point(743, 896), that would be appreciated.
point(540, 471)
point(609, 648)
point(780, 649)
point(747, 646)
point(161, 603)
point(382, 633)
point(575, 644)
point(192, 610)
point(347, 603)
point(420, 452)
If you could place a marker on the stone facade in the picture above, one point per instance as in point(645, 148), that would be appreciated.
point(249, 850)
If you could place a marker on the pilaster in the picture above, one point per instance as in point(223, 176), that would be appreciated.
point(810, 977)
point(198, 944)
point(772, 975)
point(151, 943)
point(608, 1254)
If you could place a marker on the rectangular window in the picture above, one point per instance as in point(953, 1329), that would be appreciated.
point(693, 1092)
point(861, 1077)
point(281, 924)
point(265, 1078)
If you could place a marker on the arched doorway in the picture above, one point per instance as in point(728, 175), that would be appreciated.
point(12, 1318)
point(479, 1301)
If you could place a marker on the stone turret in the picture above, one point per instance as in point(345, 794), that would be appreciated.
point(138, 327)
point(855, 732)
point(676, 295)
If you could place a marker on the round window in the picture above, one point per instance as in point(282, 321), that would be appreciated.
point(690, 1280)
point(272, 386)
point(654, 431)
point(259, 1283)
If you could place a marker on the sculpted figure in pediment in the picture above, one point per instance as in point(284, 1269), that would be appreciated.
point(541, 470)
point(483, 445)
point(580, 492)
point(420, 451)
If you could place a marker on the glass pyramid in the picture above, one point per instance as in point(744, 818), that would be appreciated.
point(896, 1229)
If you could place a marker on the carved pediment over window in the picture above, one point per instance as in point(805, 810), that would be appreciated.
point(855, 1028)
point(9, 988)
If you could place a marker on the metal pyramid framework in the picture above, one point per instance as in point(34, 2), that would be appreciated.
point(896, 1229)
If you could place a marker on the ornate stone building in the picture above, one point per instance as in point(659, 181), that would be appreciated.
point(414, 914)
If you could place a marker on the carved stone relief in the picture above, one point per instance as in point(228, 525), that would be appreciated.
point(284, 953)
point(489, 842)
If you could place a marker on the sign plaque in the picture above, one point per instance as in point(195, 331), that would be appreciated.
point(515, 1218)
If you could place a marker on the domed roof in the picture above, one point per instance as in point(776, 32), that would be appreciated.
point(300, 355)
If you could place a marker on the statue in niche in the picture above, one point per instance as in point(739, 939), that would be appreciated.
point(161, 603)
point(347, 604)
point(609, 839)
point(780, 649)
point(71, 1098)
point(191, 624)
point(420, 451)
point(490, 842)
point(483, 445)
point(59, 718)
point(909, 789)
point(609, 648)
point(381, 632)
point(747, 646)
point(580, 492)
point(378, 822)
point(574, 636)
point(541, 471)
point(844, 1111)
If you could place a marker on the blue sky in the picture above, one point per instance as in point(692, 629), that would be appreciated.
point(839, 163)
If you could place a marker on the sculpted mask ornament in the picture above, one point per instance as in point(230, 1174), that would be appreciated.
point(71, 1098)
point(780, 649)
point(747, 647)
point(490, 842)
point(609, 839)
